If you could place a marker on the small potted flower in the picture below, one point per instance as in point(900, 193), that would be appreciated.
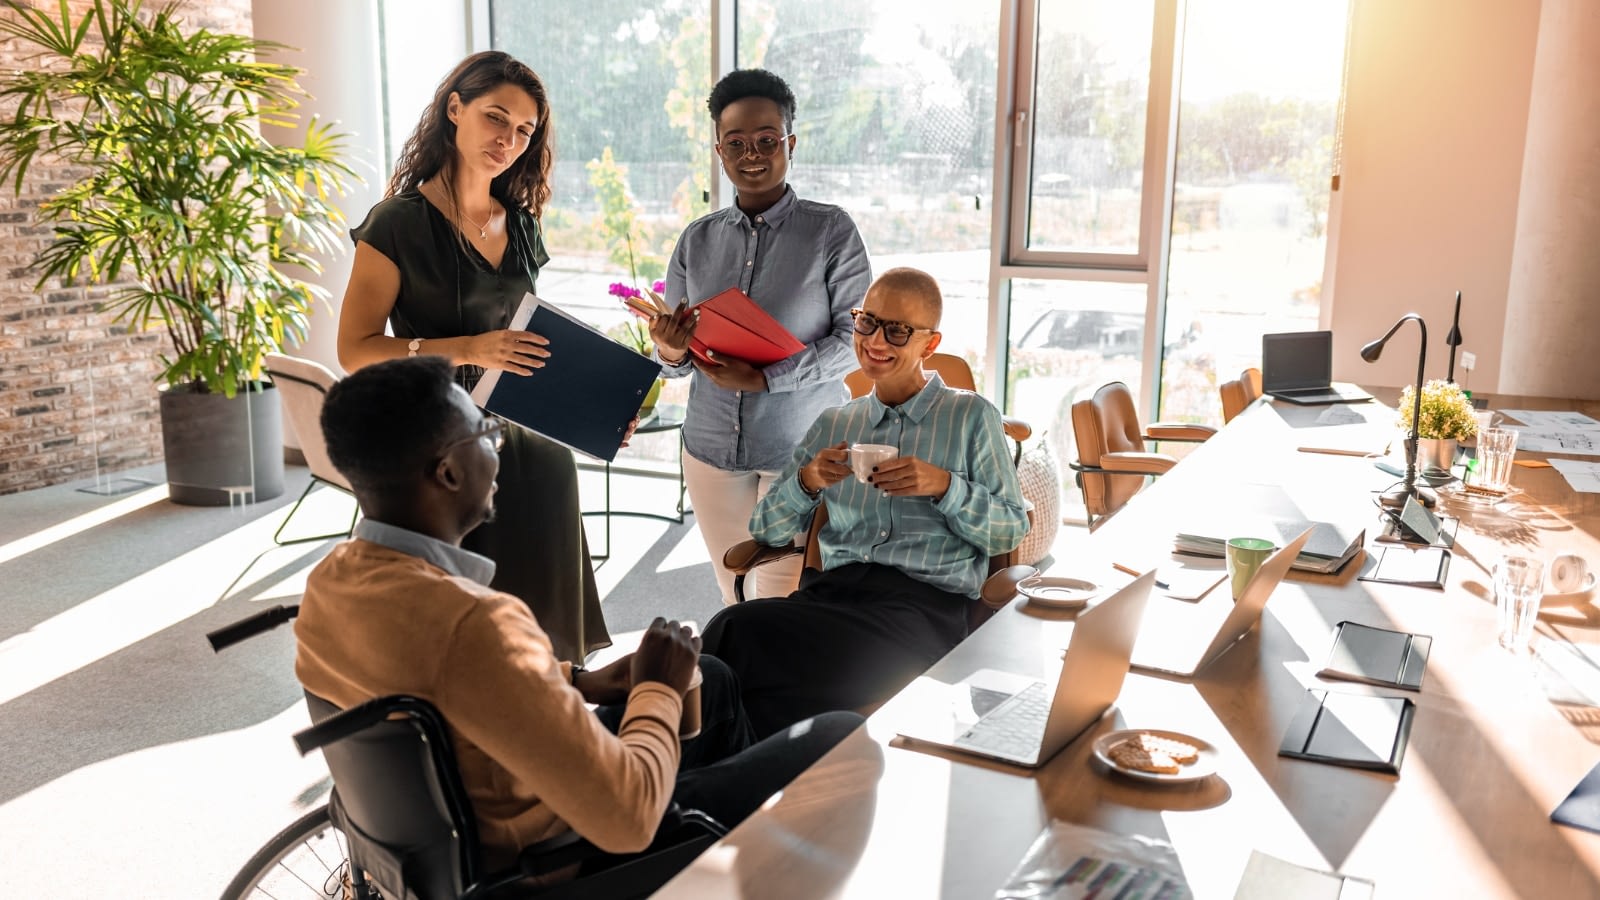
point(1446, 418)
point(635, 334)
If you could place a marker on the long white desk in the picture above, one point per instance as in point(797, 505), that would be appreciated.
point(1492, 751)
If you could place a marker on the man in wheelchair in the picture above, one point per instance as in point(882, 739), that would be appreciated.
point(903, 552)
point(402, 609)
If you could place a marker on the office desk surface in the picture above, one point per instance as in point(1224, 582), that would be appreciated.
point(1497, 742)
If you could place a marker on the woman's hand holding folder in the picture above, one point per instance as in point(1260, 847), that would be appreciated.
point(670, 329)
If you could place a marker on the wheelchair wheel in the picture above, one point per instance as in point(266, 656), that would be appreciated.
point(310, 858)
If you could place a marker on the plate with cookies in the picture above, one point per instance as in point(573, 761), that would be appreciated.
point(1151, 754)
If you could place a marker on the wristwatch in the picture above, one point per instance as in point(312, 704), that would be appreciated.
point(414, 346)
point(573, 680)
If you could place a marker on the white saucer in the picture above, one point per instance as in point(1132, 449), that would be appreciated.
point(1200, 768)
point(1554, 598)
point(1057, 593)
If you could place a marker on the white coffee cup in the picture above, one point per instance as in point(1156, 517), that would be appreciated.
point(1568, 572)
point(864, 456)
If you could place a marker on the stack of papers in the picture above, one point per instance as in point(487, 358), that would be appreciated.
point(1328, 549)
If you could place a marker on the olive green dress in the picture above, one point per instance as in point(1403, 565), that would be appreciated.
point(448, 289)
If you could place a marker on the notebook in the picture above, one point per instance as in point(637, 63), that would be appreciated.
point(731, 324)
point(1169, 647)
point(1379, 656)
point(1297, 366)
point(1015, 719)
point(1358, 730)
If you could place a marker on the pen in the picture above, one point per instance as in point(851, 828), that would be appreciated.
point(1129, 570)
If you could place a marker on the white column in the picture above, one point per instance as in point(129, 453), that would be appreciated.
point(337, 46)
point(1553, 300)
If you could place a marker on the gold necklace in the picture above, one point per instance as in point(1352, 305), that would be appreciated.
point(483, 230)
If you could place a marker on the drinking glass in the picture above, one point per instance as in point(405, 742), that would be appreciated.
point(1518, 586)
point(1497, 447)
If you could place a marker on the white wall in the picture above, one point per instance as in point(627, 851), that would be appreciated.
point(1436, 115)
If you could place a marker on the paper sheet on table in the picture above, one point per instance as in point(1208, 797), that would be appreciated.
point(1553, 420)
point(1584, 476)
point(1555, 431)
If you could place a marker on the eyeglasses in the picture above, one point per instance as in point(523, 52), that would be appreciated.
point(765, 144)
point(896, 333)
point(493, 429)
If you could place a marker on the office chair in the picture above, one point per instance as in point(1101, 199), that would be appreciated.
point(954, 372)
point(302, 385)
point(400, 803)
point(1236, 395)
point(1112, 461)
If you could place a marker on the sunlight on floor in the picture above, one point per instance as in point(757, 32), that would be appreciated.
point(47, 536)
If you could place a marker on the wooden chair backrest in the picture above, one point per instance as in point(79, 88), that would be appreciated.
point(1240, 393)
point(952, 369)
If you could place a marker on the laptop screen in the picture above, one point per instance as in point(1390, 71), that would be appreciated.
point(1296, 360)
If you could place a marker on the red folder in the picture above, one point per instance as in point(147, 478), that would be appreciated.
point(731, 324)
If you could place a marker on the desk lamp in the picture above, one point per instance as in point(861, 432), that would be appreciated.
point(1453, 339)
point(1410, 488)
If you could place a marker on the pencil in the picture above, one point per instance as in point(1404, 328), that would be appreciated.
point(1126, 570)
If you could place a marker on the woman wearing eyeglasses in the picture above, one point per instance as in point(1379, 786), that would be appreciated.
point(805, 263)
point(444, 260)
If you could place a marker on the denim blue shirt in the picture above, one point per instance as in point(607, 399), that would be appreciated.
point(806, 265)
point(947, 543)
point(449, 557)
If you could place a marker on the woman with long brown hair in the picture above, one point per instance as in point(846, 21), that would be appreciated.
point(444, 260)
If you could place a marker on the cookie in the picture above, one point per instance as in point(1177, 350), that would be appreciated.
point(1182, 753)
point(1131, 754)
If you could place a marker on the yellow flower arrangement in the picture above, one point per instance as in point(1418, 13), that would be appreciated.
point(1446, 412)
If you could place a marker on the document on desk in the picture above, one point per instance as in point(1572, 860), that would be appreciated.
point(1069, 862)
point(1364, 731)
point(1582, 475)
point(585, 395)
point(1269, 878)
point(1548, 431)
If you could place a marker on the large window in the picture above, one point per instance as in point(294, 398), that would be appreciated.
point(895, 124)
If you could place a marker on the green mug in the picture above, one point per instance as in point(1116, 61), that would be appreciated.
point(1245, 556)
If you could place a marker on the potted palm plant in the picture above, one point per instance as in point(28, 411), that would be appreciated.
point(182, 207)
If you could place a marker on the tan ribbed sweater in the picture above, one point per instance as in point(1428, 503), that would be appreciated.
point(535, 760)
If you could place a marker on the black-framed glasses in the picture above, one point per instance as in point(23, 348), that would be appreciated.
point(896, 333)
point(494, 429)
point(763, 145)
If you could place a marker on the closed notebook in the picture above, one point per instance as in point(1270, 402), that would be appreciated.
point(586, 393)
point(1377, 656)
point(1269, 878)
point(1357, 730)
point(731, 324)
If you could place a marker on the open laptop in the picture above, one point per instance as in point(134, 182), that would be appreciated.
point(1173, 648)
point(1297, 366)
point(1020, 720)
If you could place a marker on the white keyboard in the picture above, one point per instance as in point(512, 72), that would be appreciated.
point(1013, 729)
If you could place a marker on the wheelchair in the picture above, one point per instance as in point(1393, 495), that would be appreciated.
point(398, 824)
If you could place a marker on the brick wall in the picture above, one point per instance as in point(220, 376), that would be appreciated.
point(76, 389)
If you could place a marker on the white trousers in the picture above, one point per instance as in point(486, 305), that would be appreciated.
point(723, 502)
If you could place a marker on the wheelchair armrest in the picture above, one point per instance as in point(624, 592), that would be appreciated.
point(747, 555)
point(1170, 431)
point(999, 588)
point(554, 854)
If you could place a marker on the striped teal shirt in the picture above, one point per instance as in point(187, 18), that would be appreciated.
point(945, 544)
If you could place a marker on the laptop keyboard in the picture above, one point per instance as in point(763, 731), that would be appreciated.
point(1015, 727)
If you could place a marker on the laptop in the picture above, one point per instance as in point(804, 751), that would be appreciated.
point(1020, 720)
point(1173, 648)
point(1297, 366)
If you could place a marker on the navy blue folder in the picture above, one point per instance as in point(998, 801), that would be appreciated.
point(1581, 809)
point(588, 391)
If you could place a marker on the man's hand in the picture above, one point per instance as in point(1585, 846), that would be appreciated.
point(668, 653)
point(671, 331)
point(608, 684)
point(908, 476)
point(732, 374)
point(830, 466)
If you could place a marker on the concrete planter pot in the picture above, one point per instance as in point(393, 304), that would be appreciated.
point(221, 451)
point(1435, 454)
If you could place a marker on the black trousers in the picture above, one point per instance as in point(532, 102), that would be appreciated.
point(725, 771)
point(848, 637)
